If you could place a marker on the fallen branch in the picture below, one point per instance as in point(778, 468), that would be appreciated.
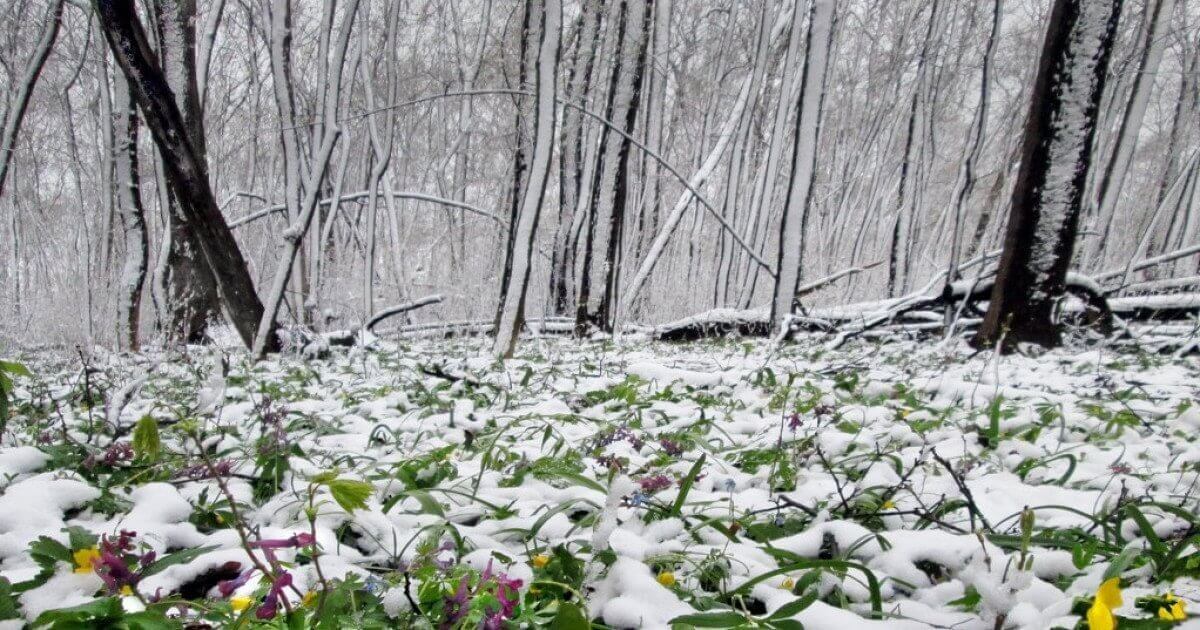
point(402, 308)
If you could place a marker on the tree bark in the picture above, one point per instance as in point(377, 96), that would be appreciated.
point(1059, 133)
point(184, 168)
point(132, 214)
point(15, 114)
point(808, 124)
point(524, 228)
point(192, 301)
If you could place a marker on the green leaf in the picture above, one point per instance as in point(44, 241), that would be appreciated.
point(172, 559)
point(786, 624)
point(792, 608)
point(14, 368)
point(723, 619)
point(99, 613)
point(969, 601)
point(146, 444)
point(685, 486)
point(148, 620)
point(351, 494)
point(1121, 562)
point(46, 552)
point(569, 617)
point(9, 609)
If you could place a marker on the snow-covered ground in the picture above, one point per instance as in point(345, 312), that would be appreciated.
point(632, 483)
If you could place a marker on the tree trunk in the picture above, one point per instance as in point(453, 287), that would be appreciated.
point(524, 229)
point(571, 156)
point(1158, 21)
point(1040, 237)
point(808, 123)
point(132, 214)
point(192, 301)
point(597, 304)
point(184, 168)
point(526, 42)
point(15, 114)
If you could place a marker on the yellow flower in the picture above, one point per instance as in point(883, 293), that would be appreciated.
point(309, 598)
point(1108, 597)
point(86, 560)
point(888, 505)
point(1100, 617)
point(667, 579)
point(788, 583)
point(240, 603)
point(1176, 612)
point(126, 590)
point(540, 561)
point(1110, 593)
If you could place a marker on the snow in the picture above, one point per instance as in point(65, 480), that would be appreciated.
point(553, 448)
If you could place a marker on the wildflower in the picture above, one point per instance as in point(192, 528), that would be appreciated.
point(1175, 612)
point(86, 559)
point(240, 603)
point(667, 579)
point(888, 505)
point(115, 573)
point(794, 421)
point(730, 485)
point(309, 598)
point(270, 605)
point(374, 585)
point(788, 584)
point(117, 453)
point(303, 539)
point(227, 587)
point(456, 605)
point(540, 561)
point(655, 483)
point(1108, 597)
point(674, 449)
point(126, 590)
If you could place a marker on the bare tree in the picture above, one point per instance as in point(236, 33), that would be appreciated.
point(18, 102)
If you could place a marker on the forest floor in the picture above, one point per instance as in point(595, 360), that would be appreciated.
point(630, 484)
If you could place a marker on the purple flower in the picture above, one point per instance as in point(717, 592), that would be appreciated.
point(117, 453)
point(227, 587)
point(456, 605)
point(654, 484)
point(674, 449)
point(794, 421)
point(115, 573)
point(270, 605)
point(303, 539)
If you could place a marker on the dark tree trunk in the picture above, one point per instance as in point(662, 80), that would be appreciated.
point(192, 300)
point(184, 168)
point(1040, 238)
